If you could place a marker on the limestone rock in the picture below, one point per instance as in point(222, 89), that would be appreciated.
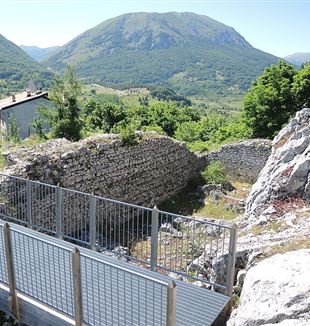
point(293, 322)
point(287, 171)
point(276, 291)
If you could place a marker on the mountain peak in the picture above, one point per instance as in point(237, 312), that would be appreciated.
point(189, 52)
point(151, 31)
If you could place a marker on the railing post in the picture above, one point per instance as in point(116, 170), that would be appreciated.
point(13, 300)
point(92, 222)
point(29, 204)
point(59, 217)
point(77, 286)
point(171, 304)
point(154, 239)
point(231, 260)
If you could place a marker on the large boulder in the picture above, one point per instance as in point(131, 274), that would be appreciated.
point(276, 291)
point(287, 171)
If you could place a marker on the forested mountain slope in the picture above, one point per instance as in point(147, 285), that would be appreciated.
point(191, 53)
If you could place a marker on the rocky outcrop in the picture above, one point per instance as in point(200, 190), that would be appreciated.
point(243, 160)
point(144, 174)
point(276, 291)
point(276, 228)
point(287, 171)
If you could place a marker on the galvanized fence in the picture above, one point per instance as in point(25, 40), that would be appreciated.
point(88, 289)
point(195, 249)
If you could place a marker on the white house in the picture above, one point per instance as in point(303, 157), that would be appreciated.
point(23, 108)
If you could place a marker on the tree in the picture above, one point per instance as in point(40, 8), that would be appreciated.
point(270, 102)
point(189, 132)
point(37, 124)
point(167, 94)
point(63, 118)
point(13, 133)
point(301, 86)
point(103, 117)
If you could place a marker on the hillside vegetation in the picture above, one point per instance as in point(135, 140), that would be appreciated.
point(37, 53)
point(17, 68)
point(193, 54)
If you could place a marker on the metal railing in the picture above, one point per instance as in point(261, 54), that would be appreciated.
point(88, 289)
point(192, 248)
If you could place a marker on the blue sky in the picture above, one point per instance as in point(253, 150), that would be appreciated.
point(279, 27)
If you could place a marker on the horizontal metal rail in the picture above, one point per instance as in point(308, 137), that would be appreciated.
point(79, 285)
point(192, 248)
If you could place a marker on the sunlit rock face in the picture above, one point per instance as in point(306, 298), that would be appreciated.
point(276, 291)
point(287, 171)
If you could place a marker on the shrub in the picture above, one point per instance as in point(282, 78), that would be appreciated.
point(198, 146)
point(13, 134)
point(215, 174)
point(156, 128)
point(128, 136)
point(37, 124)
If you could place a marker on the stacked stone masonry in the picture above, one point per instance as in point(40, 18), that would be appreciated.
point(243, 160)
point(143, 174)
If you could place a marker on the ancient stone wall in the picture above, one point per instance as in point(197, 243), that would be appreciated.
point(144, 174)
point(243, 160)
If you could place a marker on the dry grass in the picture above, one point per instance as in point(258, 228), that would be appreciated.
point(216, 210)
point(242, 189)
point(292, 245)
point(276, 226)
point(282, 141)
point(173, 252)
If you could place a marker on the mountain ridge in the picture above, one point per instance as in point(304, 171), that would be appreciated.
point(192, 53)
point(38, 53)
point(17, 68)
point(298, 58)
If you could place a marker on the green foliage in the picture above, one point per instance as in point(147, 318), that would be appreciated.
point(17, 68)
point(189, 132)
point(63, 118)
point(143, 100)
point(127, 135)
point(211, 130)
point(215, 174)
point(167, 94)
point(13, 133)
point(301, 86)
point(165, 115)
point(156, 128)
point(199, 146)
point(98, 116)
point(232, 130)
point(108, 98)
point(37, 124)
point(275, 97)
point(171, 118)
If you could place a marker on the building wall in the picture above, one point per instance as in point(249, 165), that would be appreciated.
point(24, 115)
